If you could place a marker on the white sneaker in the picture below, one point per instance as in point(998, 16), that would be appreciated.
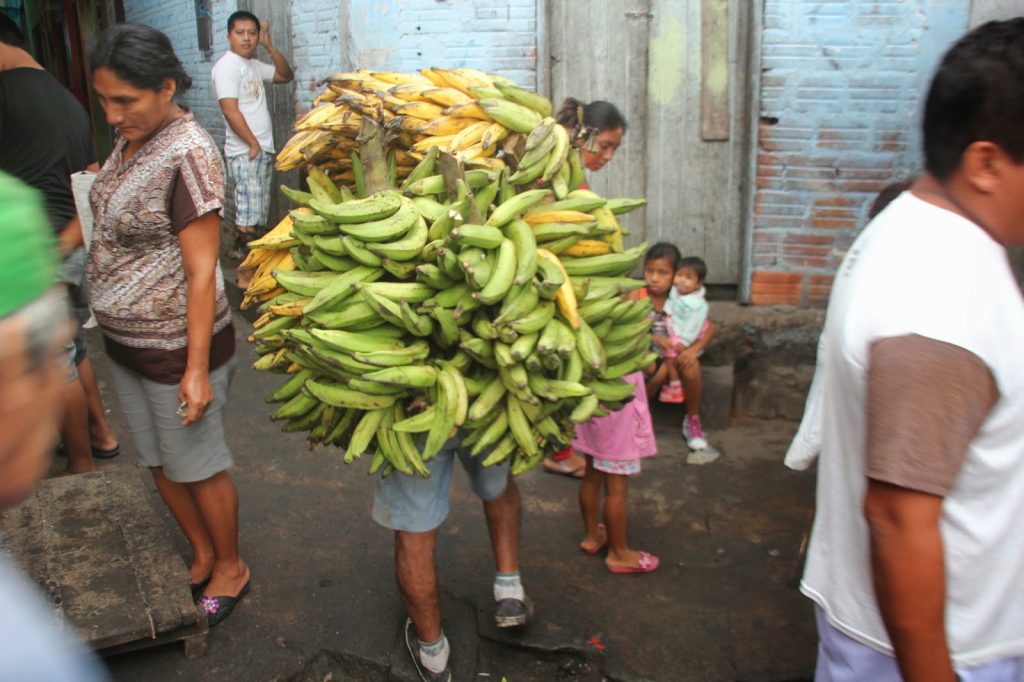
point(693, 434)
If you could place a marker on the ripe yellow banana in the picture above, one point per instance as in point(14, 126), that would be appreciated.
point(588, 247)
point(565, 297)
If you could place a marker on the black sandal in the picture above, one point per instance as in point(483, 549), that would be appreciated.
point(219, 608)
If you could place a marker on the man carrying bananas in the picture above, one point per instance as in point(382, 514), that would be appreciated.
point(249, 136)
point(414, 507)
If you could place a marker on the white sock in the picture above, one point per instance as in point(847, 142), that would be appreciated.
point(507, 586)
point(434, 656)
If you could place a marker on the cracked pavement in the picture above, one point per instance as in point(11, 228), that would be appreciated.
point(324, 605)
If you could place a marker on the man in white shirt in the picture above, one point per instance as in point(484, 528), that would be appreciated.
point(249, 138)
point(917, 554)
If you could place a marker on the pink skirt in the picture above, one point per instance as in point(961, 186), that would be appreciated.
point(623, 435)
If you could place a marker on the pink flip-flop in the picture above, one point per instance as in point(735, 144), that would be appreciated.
point(645, 564)
point(599, 547)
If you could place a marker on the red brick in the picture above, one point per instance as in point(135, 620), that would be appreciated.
point(768, 183)
point(866, 173)
point(799, 185)
point(837, 200)
point(873, 186)
point(834, 213)
point(833, 224)
point(781, 197)
point(804, 262)
point(823, 239)
point(768, 237)
point(776, 288)
point(806, 250)
point(840, 145)
point(891, 147)
point(776, 277)
point(775, 299)
point(820, 280)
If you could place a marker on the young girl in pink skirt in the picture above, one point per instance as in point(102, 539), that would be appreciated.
point(614, 446)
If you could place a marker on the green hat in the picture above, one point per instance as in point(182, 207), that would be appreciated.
point(28, 255)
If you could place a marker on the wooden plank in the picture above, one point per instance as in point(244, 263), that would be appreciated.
point(598, 51)
point(694, 187)
point(714, 91)
point(99, 545)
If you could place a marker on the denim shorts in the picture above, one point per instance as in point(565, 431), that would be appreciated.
point(417, 505)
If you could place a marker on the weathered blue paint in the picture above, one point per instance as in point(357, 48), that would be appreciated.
point(841, 90)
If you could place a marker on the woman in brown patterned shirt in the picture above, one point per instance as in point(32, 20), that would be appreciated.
point(158, 295)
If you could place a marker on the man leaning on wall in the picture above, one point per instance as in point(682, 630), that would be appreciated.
point(249, 137)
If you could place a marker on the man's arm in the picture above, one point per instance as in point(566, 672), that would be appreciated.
point(229, 107)
point(908, 570)
point(282, 69)
point(926, 401)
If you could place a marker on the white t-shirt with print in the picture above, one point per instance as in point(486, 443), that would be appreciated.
point(236, 77)
point(918, 269)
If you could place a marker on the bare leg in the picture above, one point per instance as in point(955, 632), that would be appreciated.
point(182, 504)
point(416, 576)
point(673, 371)
point(594, 537)
point(217, 501)
point(619, 554)
point(246, 233)
point(74, 429)
point(503, 525)
point(690, 374)
point(654, 382)
point(100, 435)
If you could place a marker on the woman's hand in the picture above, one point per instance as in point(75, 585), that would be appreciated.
point(195, 390)
point(687, 357)
point(662, 342)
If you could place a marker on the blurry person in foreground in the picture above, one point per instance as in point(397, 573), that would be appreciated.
point(34, 327)
point(917, 552)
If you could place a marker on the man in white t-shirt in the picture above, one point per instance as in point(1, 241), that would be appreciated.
point(249, 138)
point(916, 561)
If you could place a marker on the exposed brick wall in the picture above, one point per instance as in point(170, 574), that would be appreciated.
point(840, 91)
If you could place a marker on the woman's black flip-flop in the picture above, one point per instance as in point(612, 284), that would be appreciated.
point(219, 608)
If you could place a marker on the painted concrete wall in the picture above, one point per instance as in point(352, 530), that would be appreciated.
point(841, 86)
point(178, 21)
point(331, 35)
point(995, 10)
point(326, 36)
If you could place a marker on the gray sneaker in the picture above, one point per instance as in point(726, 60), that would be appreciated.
point(513, 613)
point(412, 643)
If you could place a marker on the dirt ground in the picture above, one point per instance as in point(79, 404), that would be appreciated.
point(722, 606)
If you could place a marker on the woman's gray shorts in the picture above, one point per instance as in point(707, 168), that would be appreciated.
point(186, 453)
